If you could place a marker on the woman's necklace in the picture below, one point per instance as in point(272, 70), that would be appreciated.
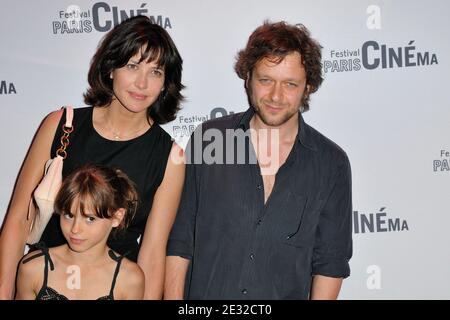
point(121, 136)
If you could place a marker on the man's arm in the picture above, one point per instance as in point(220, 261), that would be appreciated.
point(333, 246)
point(325, 288)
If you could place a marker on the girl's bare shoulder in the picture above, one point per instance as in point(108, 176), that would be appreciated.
point(130, 282)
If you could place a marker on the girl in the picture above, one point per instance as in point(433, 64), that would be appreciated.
point(92, 201)
point(134, 86)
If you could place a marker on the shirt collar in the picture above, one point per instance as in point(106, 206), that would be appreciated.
point(304, 135)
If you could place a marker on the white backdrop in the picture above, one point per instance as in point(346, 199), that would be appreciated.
point(384, 100)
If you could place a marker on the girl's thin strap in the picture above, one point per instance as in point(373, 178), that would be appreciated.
point(44, 252)
point(116, 272)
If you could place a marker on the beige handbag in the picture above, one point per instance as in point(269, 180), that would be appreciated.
point(41, 209)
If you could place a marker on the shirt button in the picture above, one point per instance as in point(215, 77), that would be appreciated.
point(259, 187)
point(259, 222)
point(252, 256)
point(244, 291)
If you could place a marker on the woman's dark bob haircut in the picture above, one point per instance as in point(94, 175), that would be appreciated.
point(118, 46)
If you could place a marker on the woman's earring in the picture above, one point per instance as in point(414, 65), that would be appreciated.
point(110, 75)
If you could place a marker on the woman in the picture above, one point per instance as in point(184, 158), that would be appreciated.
point(135, 84)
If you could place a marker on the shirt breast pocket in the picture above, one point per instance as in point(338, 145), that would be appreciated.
point(301, 219)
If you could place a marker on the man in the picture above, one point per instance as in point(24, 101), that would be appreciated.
point(278, 227)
